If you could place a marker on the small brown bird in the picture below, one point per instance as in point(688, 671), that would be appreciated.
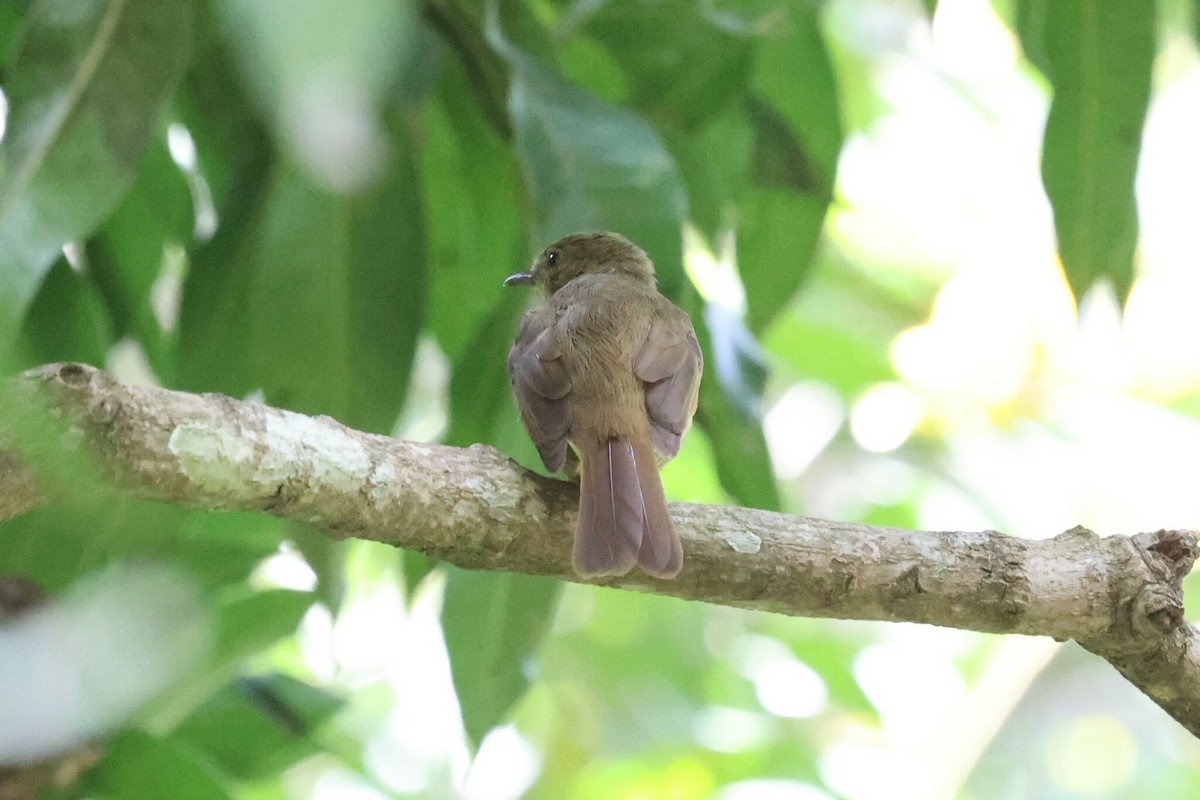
point(611, 367)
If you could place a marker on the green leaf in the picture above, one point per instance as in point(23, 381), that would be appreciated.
point(589, 165)
point(321, 76)
point(84, 92)
point(138, 766)
point(460, 25)
point(714, 164)
point(843, 356)
point(246, 623)
point(1100, 56)
point(778, 231)
point(220, 548)
point(493, 623)
point(387, 277)
point(683, 60)
point(85, 529)
point(254, 728)
point(766, 166)
point(798, 138)
point(1030, 23)
point(210, 356)
point(235, 156)
point(126, 256)
point(479, 381)
point(474, 225)
point(12, 18)
point(321, 302)
point(66, 321)
point(415, 566)
point(233, 147)
point(780, 160)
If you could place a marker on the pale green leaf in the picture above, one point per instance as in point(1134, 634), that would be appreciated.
point(85, 90)
point(1100, 55)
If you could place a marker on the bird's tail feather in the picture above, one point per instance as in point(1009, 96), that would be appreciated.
point(623, 517)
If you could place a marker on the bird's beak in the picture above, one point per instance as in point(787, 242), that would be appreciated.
point(520, 279)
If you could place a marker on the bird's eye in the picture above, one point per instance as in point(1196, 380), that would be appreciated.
point(552, 257)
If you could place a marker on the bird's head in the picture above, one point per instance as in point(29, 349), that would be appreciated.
point(585, 254)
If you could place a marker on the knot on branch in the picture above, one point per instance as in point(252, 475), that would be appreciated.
point(76, 393)
point(1169, 553)
point(1157, 610)
point(1168, 556)
point(61, 383)
point(74, 374)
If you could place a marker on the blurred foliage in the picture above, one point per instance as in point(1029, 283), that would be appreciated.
point(317, 208)
point(1098, 57)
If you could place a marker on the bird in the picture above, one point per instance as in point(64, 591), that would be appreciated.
point(606, 377)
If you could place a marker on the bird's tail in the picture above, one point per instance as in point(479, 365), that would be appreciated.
point(623, 517)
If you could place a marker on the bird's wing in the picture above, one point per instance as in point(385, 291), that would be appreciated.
point(540, 384)
point(670, 363)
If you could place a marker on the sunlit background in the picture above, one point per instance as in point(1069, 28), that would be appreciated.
point(934, 373)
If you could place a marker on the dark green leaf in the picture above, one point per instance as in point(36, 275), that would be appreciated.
point(779, 160)
point(1100, 57)
point(1031, 30)
point(493, 623)
point(256, 727)
point(84, 92)
point(683, 60)
point(127, 254)
point(235, 158)
point(84, 530)
point(246, 624)
point(778, 232)
point(479, 382)
point(66, 320)
point(251, 622)
point(219, 547)
point(798, 137)
point(212, 355)
point(12, 19)
point(794, 74)
point(233, 147)
point(415, 567)
point(138, 766)
point(586, 62)
point(460, 25)
point(714, 163)
point(474, 225)
point(386, 272)
point(589, 165)
point(425, 62)
point(323, 303)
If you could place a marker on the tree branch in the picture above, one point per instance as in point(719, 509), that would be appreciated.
point(1119, 596)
